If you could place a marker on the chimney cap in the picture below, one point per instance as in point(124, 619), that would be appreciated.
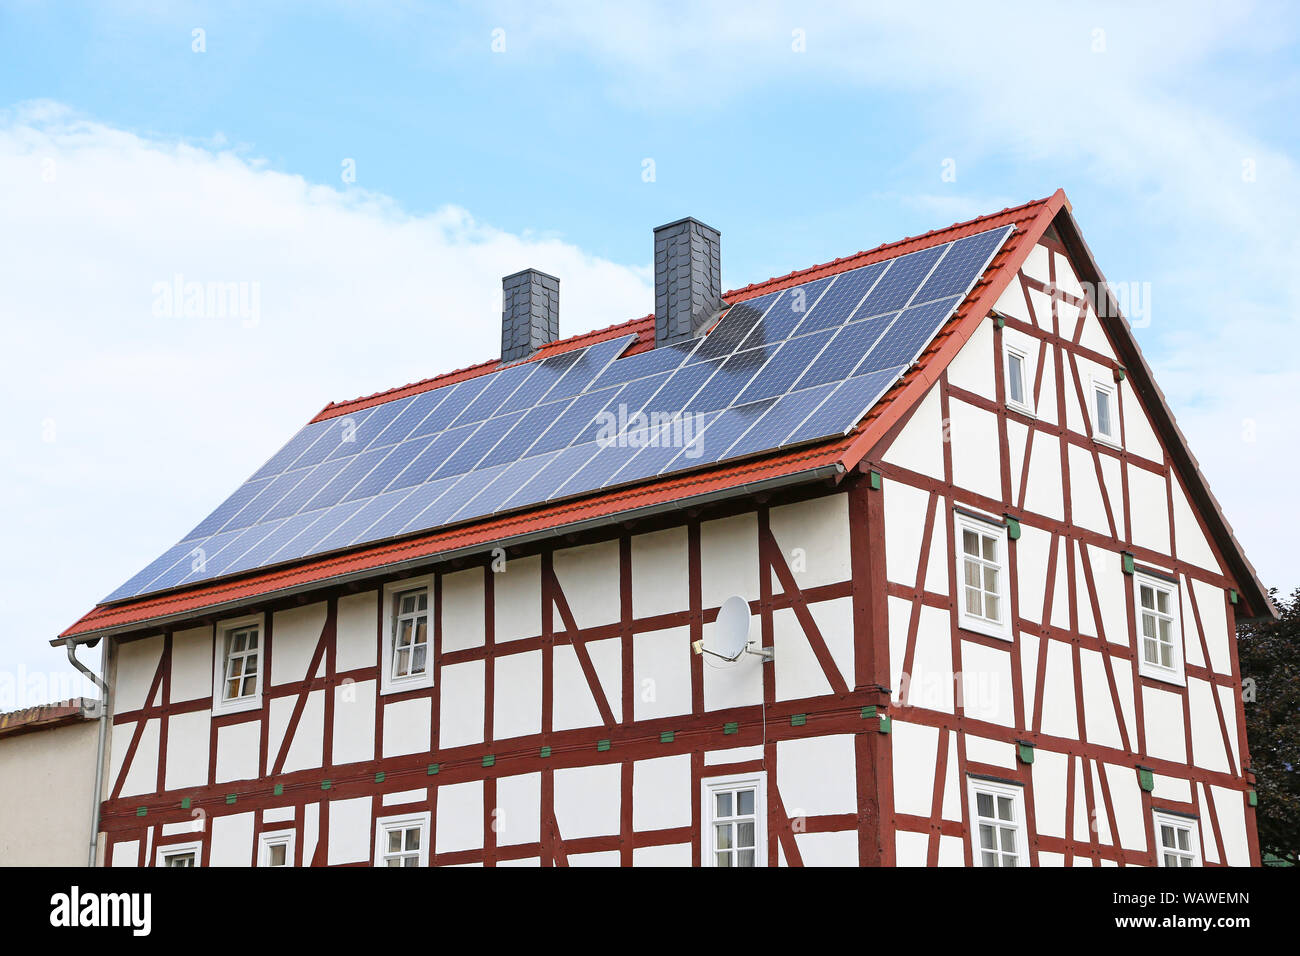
point(678, 222)
point(530, 271)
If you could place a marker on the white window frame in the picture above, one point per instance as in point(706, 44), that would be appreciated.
point(1027, 404)
point(1106, 438)
point(1176, 673)
point(708, 787)
point(1193, 827)
point(219, 639)
point(179, 849)
point(403, 821)
point(388, 684)
point(988, 527)
point(997, 788)
point(271, 838)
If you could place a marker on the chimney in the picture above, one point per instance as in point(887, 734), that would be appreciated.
point(688, 279)
point(530, 313)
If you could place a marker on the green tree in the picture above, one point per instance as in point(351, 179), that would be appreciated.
point(1270, 671)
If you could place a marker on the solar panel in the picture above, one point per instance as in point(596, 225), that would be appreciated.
point(780, 369)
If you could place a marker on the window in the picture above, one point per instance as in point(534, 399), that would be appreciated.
point(180, 854)
point(408, 625)
point(1159, 635)
point(1176, 840)
point(1105, 413)
point(734, 821)
point(981, 556)
point(276, 849)
point(237, 671)
point(997, 823)
point(1017, 380)
point(402, 841)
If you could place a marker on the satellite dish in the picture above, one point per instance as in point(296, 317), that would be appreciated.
point(731, 632)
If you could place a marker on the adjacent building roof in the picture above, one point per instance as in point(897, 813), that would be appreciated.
point(46, 716)
point(823, 459)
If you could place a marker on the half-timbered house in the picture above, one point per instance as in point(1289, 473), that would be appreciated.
point(472, 620)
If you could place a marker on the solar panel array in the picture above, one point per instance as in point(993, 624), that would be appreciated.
point(785, 368)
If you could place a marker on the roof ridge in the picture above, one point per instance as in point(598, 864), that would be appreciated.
point(575, 341)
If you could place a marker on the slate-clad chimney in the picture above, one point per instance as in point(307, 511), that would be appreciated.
point(688, 279)
point(530, 313)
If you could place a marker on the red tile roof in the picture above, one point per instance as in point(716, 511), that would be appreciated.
point(43, 717)
point(842, 454)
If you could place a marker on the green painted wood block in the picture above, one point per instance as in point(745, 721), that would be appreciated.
point(1252, 798)
point(230, 799)
point(886, 724)
point(141, 811)
point(489, 760)
point(868, 711)
point(602, 745)
point(1146, 779)
point(379, 777)
point(798, 720)
point(279, 789)
point(433, 770)
point(876, 480)
point(667, 737)
point(1232, 595)
point(1026, 753)
point(545, 751)
point(1128, 565)
point(1013, 528)
point(731, 727)
point(325, 784)
point(185, 803)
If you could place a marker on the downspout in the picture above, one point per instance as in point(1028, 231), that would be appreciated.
point(71, 645)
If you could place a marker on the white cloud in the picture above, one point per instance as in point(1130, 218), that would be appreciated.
point(125, 427)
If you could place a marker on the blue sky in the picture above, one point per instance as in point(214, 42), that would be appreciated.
point(489, 137)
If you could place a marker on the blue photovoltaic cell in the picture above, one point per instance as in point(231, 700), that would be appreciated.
point(789, 309)
point(845, 407)
point(304, 491)
point(845, 351)
point(555, 473)
point(663, 359)
point(682, 436)
point(356, 469)
point(382, 475)
point(420, 498)
point(500, 387)
point(782, 368)
point(456, 497)
point(367, 431)
point(723, 431)
point(835, 307)
point(298, 444)
point(905, 339)
point(266, 499)
point(478, 445)
point(734, 374)
point(897, 286)
point(526, 431)
point(598, 469)
point(780, 420)
point(517, 473)
point(966, 258)
point(781, 371)
point(578, 415)
point(591, 362)
point(729, 333)
point(423, 466)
